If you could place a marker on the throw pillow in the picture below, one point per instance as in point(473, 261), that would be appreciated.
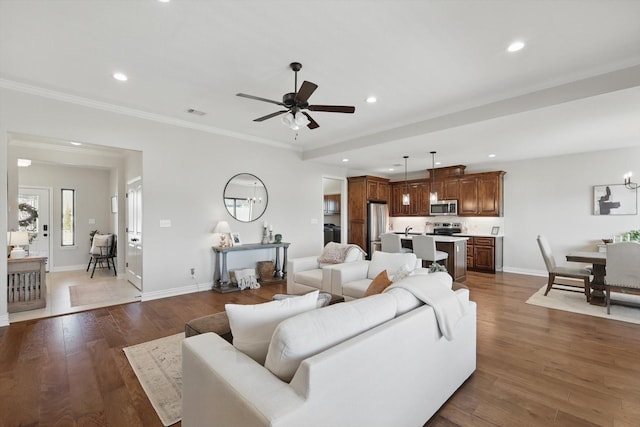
point(378, 284)
point(331, 254)
point(253, 325)
point(100, 244)
point(324, 298)
point(313, 332)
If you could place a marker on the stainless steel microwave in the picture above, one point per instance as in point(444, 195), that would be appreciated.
point(444, 207)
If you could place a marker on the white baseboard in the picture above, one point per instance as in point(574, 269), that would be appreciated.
point(526, 271)
point(4, 320)
point(165, 293)
point(67, 268)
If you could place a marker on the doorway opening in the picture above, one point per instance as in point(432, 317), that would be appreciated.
point(334, 206)
point(98, 177)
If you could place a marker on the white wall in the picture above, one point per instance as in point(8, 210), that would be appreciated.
point(92, 202)
point(554, 196)
point(184, 172)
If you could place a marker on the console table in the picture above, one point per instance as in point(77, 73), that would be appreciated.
point(221, 281)
point(26, 283)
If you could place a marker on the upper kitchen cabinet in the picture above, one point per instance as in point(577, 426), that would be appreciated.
point(378, 190)
point(418, 203)
point(331, 204)
point(481, 194)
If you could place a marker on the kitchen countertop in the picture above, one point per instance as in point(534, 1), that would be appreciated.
point(438, 238)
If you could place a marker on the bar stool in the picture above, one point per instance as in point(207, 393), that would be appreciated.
point(425, 247)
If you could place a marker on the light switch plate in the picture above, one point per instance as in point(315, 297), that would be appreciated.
point(92, 220)
point(314, 220)
point(165, 223)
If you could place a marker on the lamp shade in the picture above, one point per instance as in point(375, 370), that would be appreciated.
point(301, 119)
point(222, 227)
point(288, 119)
point(18, 238)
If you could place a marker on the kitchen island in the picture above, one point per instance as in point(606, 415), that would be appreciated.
point(455, 246)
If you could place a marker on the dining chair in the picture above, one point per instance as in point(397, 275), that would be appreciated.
point(623, 271)
point(556, 271)
point(392, 242)
point(425, 247)
point(107, 252)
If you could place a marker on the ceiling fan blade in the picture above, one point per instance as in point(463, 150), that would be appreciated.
point(305, 91)
point(268, 116)
point(257, 98)
point(332, 108)
point(312, 123)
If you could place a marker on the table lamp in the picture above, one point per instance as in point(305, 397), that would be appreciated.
point(222, 228)
point(18, 239)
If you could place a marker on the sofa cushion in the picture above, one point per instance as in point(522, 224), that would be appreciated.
point(252, 325)
point(355, 288)
point(378, 284)
point(310, 333)
point(311, 278)
point(406, 300)
point(390, 262)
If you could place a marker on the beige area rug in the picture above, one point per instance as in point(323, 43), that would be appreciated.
point(158, 366)
point(577, 303)
point(90, 294)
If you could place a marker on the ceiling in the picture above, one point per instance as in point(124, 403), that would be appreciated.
point(439, 69)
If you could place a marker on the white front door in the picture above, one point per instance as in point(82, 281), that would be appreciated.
point(34, 217)
point(133, 256)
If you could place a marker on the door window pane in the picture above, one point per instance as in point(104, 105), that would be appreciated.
point(68, 217)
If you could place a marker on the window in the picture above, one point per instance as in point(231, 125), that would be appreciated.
point(68, 217)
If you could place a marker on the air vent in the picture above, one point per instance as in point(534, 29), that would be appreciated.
point(196, 112)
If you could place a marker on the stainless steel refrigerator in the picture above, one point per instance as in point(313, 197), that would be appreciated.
point(377, 224)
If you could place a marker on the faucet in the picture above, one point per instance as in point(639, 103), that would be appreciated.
point(406, 231)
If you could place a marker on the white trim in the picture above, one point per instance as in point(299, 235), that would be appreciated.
point(4, 320)
point(525, 271)
point(86, 102)
point(68, 268)
point(165, 293)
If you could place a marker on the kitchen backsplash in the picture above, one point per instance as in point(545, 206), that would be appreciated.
point(474, 226)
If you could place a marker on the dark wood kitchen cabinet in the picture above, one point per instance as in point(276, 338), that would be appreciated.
point(331, 204)
point(481, 194)
point(484, 254)
point(362, 189)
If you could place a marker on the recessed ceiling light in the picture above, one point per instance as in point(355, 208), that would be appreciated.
point(515, 46)
point(438, 163)
point(371, 99)
point(75, 143)
point(120, 77)
point(23, 163)
point(164, 1)
point(492, 156)
point(391, 169)
point(345, 160)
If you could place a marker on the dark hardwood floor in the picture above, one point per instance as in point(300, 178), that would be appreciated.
point(536, 366)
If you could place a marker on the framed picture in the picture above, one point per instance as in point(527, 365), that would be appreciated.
point(114, 204)
point(614, 199)
point(495, 231)
point(236, 239)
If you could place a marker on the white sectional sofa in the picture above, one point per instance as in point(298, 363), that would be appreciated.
point(307, 274)
point(353, 279)
point(376, 361)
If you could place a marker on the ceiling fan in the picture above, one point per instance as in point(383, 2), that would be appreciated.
point(295, 102)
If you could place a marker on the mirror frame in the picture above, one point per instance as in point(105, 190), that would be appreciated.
point(257, 180)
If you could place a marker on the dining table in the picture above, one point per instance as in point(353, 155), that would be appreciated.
point(599, 262)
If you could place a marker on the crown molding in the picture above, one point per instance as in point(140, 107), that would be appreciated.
point(132, 112)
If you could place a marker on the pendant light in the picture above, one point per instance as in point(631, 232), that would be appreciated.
point(406, 200)
point(433, 195)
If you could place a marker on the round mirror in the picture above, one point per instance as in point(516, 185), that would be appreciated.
point(245, 197)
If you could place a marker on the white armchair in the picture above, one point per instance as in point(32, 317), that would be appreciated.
point(352, 280)
point(311, 273)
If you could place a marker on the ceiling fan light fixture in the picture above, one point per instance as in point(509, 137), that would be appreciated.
point(433, 195)
point(288, 120)
point(406, 198)
point(301, 119)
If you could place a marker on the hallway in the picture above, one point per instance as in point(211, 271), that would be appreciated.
point(103, 290)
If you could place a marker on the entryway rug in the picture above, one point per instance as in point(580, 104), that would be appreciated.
point(90, 294)
point(158, 366)
point(577, 303)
